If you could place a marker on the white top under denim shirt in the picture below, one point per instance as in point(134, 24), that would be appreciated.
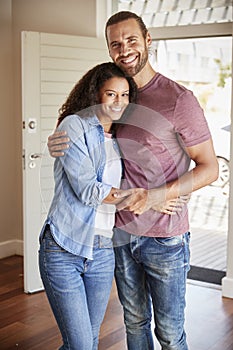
point(79, 189)
point(105, 213)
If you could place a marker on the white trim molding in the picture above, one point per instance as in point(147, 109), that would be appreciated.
point(9, 248)
point(227, 287)
point(227, 282)
point(191, 31)
point(104, 10)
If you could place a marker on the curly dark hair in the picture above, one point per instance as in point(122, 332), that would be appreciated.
point(85, 92)
point(124, 16)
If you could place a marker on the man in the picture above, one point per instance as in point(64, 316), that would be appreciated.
point(165, 132)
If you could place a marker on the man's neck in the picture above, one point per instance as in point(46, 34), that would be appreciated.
point(144, 76)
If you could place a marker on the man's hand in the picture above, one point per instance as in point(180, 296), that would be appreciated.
point(57, 142)
point(139, 200)
point(171, 207)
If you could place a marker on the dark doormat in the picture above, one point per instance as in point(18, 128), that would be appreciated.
point(206, 275)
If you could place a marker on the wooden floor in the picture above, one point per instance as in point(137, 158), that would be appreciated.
point(26, 322)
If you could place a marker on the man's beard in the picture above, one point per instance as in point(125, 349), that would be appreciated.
point(132, 71)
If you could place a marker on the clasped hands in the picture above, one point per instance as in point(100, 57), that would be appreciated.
point(137, 200)
point(140, 200)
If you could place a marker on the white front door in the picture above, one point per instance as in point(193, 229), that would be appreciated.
point(51, 65)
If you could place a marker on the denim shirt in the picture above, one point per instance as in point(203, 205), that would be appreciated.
point(78, 186)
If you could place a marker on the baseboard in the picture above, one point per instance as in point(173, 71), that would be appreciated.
point(227, 287)
point(9, 248)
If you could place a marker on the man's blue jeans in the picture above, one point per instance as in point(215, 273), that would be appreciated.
point(152, 269)
point(78, 291)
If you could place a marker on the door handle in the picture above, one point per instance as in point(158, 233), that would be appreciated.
point(35, 156)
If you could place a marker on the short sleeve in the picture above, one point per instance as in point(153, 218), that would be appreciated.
point(189, 120)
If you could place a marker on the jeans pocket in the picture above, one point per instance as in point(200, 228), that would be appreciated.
point(188, 237)
point(170, 241)
point(105, 242)
point(50, 244)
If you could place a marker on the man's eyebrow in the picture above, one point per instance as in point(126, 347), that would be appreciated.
point(129, 37)
point(114, 42)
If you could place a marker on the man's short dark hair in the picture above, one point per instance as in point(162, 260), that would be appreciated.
point(123, 16)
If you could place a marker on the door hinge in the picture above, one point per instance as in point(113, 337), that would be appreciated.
point(23, 159)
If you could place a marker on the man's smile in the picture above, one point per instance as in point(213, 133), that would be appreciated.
point(129, 60)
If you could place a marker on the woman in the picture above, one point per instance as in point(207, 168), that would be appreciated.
point(76, 257)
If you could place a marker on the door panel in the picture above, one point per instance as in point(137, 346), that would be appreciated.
point(51, 65)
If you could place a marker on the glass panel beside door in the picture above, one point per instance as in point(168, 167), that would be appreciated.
point(203, 65)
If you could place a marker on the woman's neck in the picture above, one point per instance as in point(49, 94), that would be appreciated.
point(107, 127)
point(106, 123)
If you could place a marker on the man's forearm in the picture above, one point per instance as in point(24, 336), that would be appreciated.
point(201, 176)
point(142, 200)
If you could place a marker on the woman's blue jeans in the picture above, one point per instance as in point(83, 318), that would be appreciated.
point(78, 290)
point(153, 269)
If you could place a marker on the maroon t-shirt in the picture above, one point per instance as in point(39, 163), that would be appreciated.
point(166, 119)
